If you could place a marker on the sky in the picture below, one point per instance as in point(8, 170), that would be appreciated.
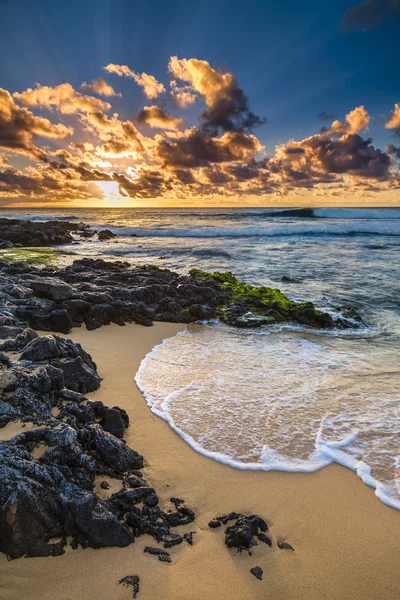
point(212, 103)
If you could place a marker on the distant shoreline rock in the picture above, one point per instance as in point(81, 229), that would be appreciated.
point(29, 234)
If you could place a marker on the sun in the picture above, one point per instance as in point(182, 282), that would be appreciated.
point(110, 190)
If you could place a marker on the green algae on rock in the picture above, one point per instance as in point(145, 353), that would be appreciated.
point(252, 306)
point(48, 257)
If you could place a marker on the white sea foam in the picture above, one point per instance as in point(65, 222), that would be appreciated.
point(281, 399)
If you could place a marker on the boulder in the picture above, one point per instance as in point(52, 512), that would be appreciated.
point(42, 348)
point(60, 321)
point(78, 376)
point(113, 423)
point(29, 503)
point(257, 572)
point(52, 288)
point(132, 581)
point(113, 453)
point(19, 342)
point(106, 234)
point(88, 520)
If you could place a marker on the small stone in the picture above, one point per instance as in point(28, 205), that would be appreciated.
point(257, 572)
point(162, 555)
point(284, 545)
point(133, 582)
point(172, 540)
point(188, 537)
point(105, 485)
point(214, 523)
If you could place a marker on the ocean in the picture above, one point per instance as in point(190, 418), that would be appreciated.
point(280, 397)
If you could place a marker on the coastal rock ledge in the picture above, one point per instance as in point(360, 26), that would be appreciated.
point(95, 292)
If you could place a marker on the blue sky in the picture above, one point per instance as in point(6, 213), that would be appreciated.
point(291, 58)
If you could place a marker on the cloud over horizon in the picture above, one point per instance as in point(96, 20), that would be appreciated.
point(219, 155)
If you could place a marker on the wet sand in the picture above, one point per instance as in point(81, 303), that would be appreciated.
point(347, 543)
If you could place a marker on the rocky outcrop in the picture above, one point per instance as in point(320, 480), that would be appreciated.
point(105, 234)
point(37, 233)
point(48, 473)
point(96, 292)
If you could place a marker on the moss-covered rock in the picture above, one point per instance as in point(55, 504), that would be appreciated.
point(48, 257)
point(252, 306)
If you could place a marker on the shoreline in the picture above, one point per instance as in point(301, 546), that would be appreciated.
point(345, 538)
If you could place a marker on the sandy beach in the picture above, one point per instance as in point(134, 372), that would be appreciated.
point(346, 541)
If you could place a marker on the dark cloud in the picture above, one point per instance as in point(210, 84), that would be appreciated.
point(325, 116)
point(19, 127)
point(197, 149)
point(393, 150)
point(370, 13)
point(45, 186)
point(351, 155)
point(230, 113)
point(149, 184)
point(156, 117)
point(184, 176)
point(227, 104)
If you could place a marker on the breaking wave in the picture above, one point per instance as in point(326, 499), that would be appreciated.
point(243, 399)
point(273, 230)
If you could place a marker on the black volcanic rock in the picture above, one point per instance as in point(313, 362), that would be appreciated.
point(105, 234)
point(89, 521)
point(50, 288)
point(34, 233)
point(162, 555)
point(132, 581)
point(242, 534)
point(50, 494)
point(257, 572)
point(113, 423)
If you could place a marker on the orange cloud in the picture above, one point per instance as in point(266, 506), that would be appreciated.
point(151, 87)
point(182, 96)
point(99, 86)
point(62, 98)
point(228, 108)
point(394, 121)
point(156, 117)
point(18, 128)
point(356, 121)
point(121, 137)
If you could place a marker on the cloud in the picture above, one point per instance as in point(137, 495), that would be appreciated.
point(121, 138)
point(221, 157)
point(356, 120)
point(182, 96)
point(228, 108)
point(321, 154)
point(62, 98)
point(393, 150)
point(19, 127)
point(325, 116)
point(148, 184)
point(370, 13)
point(197, 149)
point(394, 121)
point(156, 117)
point(99, 86)
point(151, 87)
point(44, 185)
